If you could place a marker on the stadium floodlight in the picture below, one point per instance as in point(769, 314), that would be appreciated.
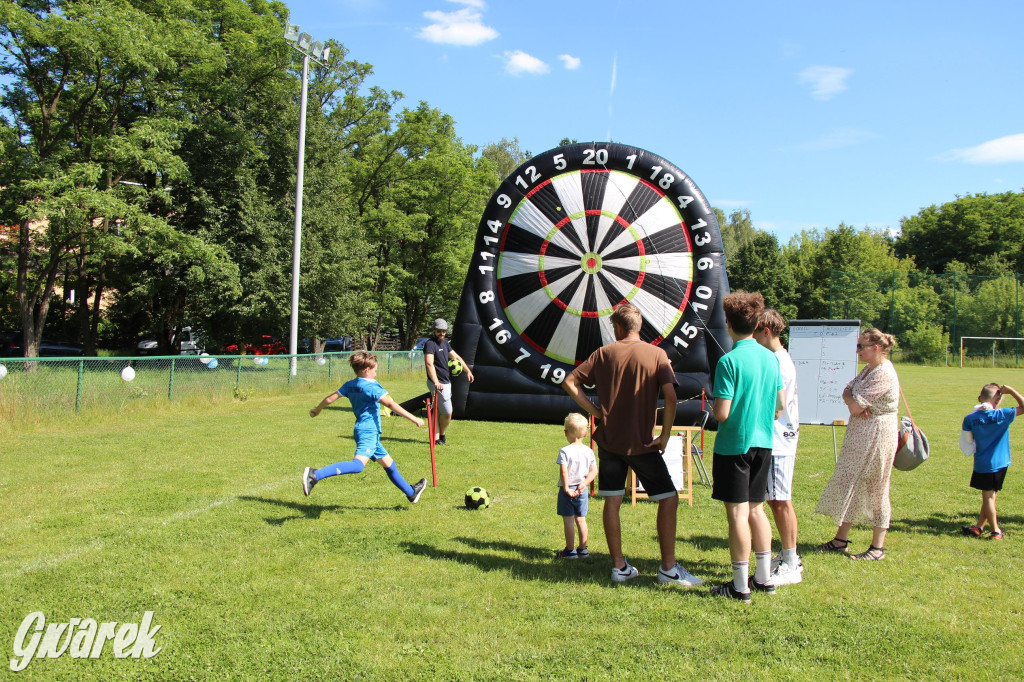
point(315, 50)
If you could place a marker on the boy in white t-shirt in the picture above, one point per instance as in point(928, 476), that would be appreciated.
point(787, 569)
point(576, 469)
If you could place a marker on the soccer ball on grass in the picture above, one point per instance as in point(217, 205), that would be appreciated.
point(477, 498)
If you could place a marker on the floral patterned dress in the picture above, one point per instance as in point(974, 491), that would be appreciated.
point(858, 491)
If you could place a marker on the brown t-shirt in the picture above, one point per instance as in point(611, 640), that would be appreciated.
point(629, 375)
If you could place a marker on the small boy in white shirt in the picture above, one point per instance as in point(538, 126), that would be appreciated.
point(576, 469)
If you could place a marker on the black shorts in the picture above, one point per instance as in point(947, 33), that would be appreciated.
point(650, 469)
point(741, 478)
point(991, 481)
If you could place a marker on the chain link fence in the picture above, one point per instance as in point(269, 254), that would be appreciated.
point(32, 386)
point(930, 314)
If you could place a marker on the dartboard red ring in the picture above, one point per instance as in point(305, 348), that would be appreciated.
point(580, 229)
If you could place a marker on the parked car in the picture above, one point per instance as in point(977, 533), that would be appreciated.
point(50, 347)
point(191, 344)
point(338, 345)
point(264, 345)
point(421, 342)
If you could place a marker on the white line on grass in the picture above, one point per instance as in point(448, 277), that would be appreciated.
point(96, 544)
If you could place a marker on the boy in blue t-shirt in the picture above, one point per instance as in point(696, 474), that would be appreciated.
point(366, 396)
point(986, 435)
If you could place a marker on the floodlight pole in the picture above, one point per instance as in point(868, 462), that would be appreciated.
point(293, 335)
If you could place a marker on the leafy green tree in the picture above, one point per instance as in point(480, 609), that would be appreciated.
point(759, 265)
point(506, 155)
point(736, 231)
point(972, 228)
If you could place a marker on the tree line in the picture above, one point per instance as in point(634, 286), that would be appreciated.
point(147, 181)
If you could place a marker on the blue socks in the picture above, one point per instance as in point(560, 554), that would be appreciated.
point(353, 467)
point(397, 479)
point(356, 466)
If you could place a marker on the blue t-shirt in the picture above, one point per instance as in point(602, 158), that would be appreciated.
point(364, 394)
point(991, 430)
point(749, 376)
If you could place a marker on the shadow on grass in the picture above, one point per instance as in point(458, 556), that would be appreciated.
point(538, 563)
point(309, 511)
point(942, 524)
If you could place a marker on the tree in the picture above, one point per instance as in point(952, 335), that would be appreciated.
point(506, 155)
point(972, 228)
point(736, 231)
point(759, 265)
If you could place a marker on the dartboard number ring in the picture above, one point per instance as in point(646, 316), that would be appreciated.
point(576, 231)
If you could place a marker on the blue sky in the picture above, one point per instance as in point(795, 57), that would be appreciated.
point(806, 113)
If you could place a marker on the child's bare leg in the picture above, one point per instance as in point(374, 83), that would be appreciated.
point(570, 529)
point(581, 525)
point(988, 510)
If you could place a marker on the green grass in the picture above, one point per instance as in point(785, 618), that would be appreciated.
point(196, 513)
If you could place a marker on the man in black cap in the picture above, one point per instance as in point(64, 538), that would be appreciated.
point(436, 354)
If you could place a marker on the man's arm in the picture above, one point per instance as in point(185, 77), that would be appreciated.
point(1016, 396)
point(571, 385)
point(668, 417)
point(720, 410)
point(780, 402)
point(469, 372)
point(428, 359)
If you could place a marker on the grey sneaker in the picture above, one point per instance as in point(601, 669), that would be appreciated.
point(582, 552)
point(308, 480)
point(727, 590)
point(679, 576)
point(417, 490)
point(621, 575)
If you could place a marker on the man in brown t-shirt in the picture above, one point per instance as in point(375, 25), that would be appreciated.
point(628, 375)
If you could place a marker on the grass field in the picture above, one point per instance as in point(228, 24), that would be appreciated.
point(198, 516)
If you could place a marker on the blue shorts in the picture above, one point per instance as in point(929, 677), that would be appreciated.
point(368, 445)
point(573, 506)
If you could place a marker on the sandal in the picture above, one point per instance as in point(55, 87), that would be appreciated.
point(834, 545)
point(871, 554)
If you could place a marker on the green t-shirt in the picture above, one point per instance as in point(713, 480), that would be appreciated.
point(749, 376)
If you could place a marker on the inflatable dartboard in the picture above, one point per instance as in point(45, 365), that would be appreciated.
point(578, 230)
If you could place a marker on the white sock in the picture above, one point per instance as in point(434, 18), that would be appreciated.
point(740, 570)
point(763, 570)
point(789, 556)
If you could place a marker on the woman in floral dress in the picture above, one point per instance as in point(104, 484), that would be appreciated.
point(858, 491)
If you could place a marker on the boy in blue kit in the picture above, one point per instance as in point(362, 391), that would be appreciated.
point(986, 435)
point(366, 396)
point(749, 397)
point(576, 469)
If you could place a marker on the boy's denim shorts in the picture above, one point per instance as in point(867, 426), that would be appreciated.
point(573, 506)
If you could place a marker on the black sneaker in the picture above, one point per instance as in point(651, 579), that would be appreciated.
point(417, 490)
point(308, 480)
point(767, 588)
point(444, 441)
point(727, 590)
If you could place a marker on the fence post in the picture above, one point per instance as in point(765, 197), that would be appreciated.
point(330, 367)
point(78, 390)
point(170, 384)
point(238, 371)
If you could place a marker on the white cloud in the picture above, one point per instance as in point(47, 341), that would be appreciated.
point(843, 137)
point(519, 62)
point(569, 62)
point(825, 81)
point(615, 71)
point(461, 27)
point(1009, 149)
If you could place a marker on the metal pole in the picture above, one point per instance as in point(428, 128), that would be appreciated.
point(293, 339)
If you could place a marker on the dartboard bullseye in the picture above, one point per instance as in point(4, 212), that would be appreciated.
point(576, 231)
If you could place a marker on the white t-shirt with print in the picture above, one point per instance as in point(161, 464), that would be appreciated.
point(787, 426)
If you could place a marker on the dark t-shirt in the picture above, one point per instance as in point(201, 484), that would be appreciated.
point(629, 375)
point(440, 352)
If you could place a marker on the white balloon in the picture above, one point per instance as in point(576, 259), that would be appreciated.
point(204, 358)
point(128, 373)
point(3, 371)
point(321, 360)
